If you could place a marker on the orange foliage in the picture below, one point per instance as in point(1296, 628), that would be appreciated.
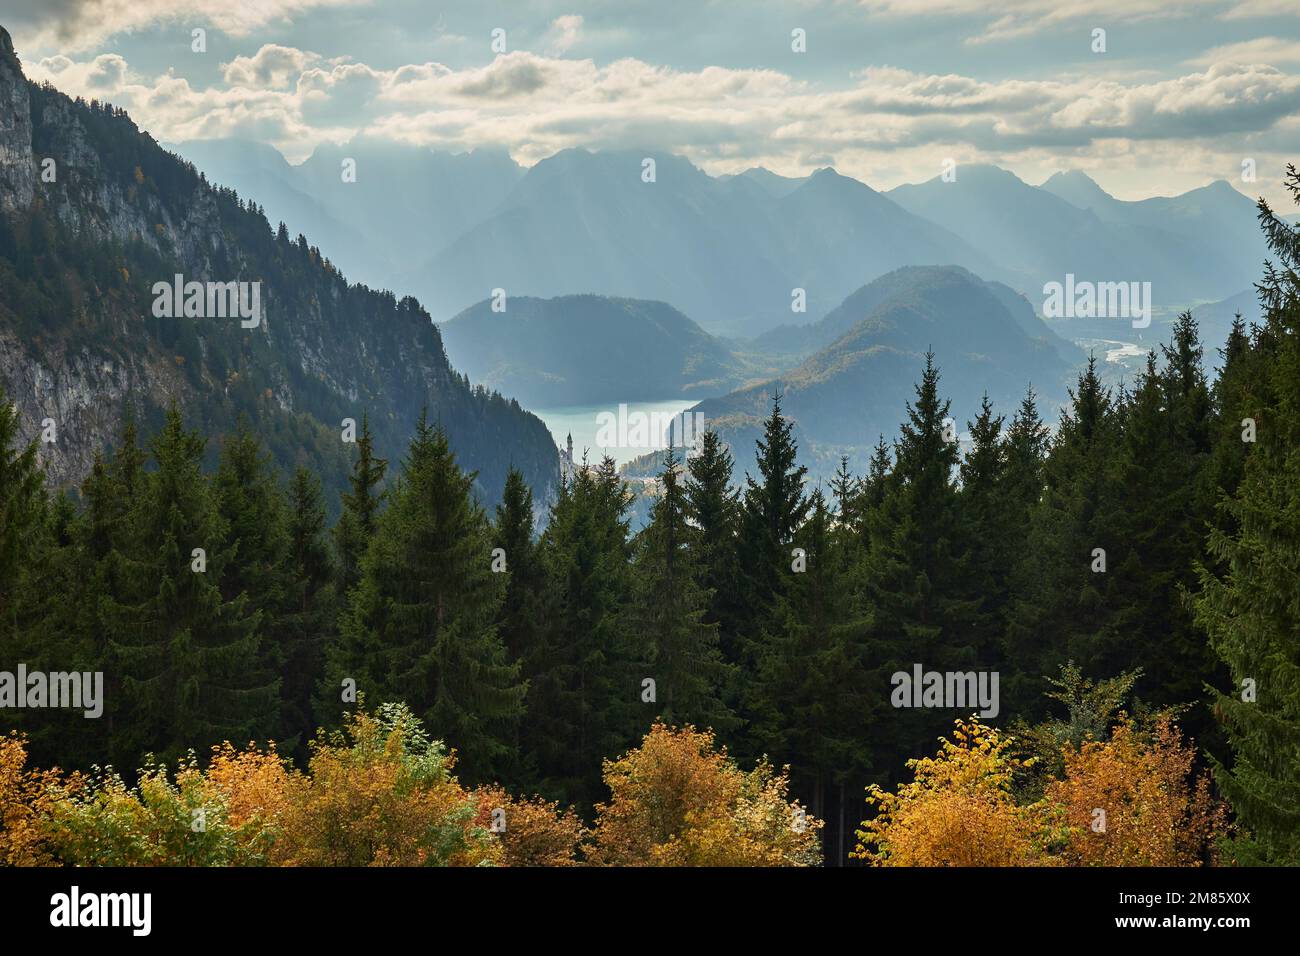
point(537, 833)
point(26, 797)
point(1156, 814)
point(676, 801)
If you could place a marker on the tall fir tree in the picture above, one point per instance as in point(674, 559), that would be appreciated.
point(310, 610)
point(421, 626)
point(916, 572)
point(810, 699)
point(677, 647)
point(584, 692)
point(361, 507)
point(189, 658)
point(1249, 608)
point(773, 507)
point(1059, 581)
point(713, 510)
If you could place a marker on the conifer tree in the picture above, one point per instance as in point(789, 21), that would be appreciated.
point(361, 506)
point(772, 509)
point(251, 505)
point(21, 499)
point(987, 514)
point(677, 647)
point(188, 657)
point(1249, 609)
point(810, 700)
point(522, 609)
point(1059, 604)
point(917, 579)
point(309, 611)
point(421, 627)
point(713, 510)
point(585, 694)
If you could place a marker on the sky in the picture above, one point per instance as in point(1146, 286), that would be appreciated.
point(1183, 93)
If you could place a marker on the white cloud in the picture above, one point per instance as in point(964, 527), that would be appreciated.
point(1269, 50)
point(564, 32)
point(77, 25)
point(887, 119)
point(271, 67)
point(1018, 18)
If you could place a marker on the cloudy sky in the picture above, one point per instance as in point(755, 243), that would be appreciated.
point(885, 91)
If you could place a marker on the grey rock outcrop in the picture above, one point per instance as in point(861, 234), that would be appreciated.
point(17, 171)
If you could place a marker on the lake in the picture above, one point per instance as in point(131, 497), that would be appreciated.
point(585, 423)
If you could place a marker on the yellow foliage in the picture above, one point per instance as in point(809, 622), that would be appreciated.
point(537, 833)
point(676, 801)
point(959, 809)
point(26, 797)
point(381, 794)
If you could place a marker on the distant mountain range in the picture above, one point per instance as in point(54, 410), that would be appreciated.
point(726, 250)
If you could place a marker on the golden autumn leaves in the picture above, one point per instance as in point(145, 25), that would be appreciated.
point(1129, 800)
point(381, 793)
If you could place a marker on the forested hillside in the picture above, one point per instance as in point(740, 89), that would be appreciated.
point(96, 213)
point(1128, 576)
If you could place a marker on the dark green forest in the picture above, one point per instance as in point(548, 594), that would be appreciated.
point(1153, 531)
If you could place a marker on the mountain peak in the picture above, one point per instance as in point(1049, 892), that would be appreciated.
point(1078, 189)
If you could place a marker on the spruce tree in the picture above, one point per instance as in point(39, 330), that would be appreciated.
point(521, 611)
point(585, 693)
point(987, 514)
point(677, 647)
point(916, 573)
point(361, 505)
point(713, 509)
point(810, 700)
point(772, 509)
point(309, 611)
point(189, 660)
point(251, 505)
point(1059, 604)
point(421, 627)
point(1249, 609)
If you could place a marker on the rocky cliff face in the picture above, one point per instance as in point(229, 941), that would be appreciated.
point(80, 254)
point(17, 171)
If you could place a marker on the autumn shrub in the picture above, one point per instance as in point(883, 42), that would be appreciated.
point(26, 798)
point(381, 793)
point(160, 821)
point(678, 801)
point(959, 809)
point(1134, 800)
point(532, 831)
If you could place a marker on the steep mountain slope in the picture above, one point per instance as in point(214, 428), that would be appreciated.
point(854, 389)
point(81, 335)
point(585, 349)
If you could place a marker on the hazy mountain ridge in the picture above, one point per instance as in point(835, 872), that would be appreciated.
point(729, 250)
point(583, 349)
point(854, 389)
